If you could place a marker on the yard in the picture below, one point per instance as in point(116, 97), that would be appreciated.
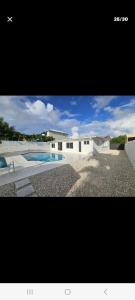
point(103, 175)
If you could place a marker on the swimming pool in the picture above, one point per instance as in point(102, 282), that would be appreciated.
point(43, 156)
point(3, 163)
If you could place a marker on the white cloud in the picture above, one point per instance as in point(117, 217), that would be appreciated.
point(36, 108)
point(130, 104)
point(122, 110)
point(28, 116)
point(114, 126)
point(68, 123)
point(49, 107)
point(75, 132)
point(121, 121)
point(102, 101)
point(33, 117)
point(69, 114)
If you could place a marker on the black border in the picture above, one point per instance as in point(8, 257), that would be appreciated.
point(79, 240)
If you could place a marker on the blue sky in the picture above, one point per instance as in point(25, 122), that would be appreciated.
point(76, 115)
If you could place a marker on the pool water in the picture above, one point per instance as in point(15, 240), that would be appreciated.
point(45, 156)
point(3, 163)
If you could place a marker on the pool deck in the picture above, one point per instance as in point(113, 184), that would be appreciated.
point(23, 172)
point(24, 168)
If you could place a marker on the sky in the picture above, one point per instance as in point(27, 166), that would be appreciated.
point(75, 115)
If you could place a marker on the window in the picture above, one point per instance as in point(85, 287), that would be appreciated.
point(86, 142)
point(53, 145)
point(69, 145)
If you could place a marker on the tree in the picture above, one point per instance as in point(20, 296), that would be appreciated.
point(10, 133)
point(121, 139)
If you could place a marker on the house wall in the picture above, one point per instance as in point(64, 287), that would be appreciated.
point(88, 148)
point(130, 150)
point(102, 146)
point(85, 148)
point(105, 145)
point(70, 150)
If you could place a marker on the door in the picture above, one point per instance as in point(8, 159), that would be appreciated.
point(60, 146)
point(80, 147)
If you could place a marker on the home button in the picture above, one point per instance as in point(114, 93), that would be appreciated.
point(67, 292)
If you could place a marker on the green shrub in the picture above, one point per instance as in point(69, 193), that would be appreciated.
point(121, 139)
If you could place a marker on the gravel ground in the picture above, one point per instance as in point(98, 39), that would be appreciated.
point(112, 176)
point(7, 190)
point(56, 182)
point(103, 175)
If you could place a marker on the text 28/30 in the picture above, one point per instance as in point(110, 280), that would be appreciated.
point(120, 19)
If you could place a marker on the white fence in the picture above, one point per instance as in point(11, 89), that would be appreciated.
point(13, 146)
point(130, 150)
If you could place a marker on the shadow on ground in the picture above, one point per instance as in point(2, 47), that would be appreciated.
point(103, 175)
point(113, 176)
point(56, 182)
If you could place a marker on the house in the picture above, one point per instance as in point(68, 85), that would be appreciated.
point(83, 145)
point(102, 142)
point(57, 134)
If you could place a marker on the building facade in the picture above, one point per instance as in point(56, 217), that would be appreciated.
point(86, 145)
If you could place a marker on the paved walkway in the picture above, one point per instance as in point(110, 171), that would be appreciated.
point(27, 171)
point(24, 188)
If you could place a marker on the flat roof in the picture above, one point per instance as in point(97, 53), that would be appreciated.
point(71, 139)
point(81, 139)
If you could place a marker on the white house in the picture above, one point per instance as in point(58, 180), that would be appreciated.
point(57, 134)
point(83, 145)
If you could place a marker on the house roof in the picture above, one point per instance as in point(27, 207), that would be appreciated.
point(70, 139)
point(102, 139)
point(57, 131)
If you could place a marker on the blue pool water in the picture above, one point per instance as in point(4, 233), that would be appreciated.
point(3, 163)
point(45, 156)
